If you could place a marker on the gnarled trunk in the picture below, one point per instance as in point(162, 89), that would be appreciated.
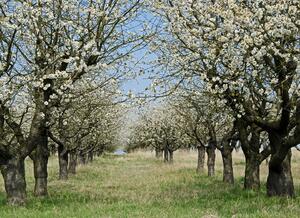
point(63, 163)
point(14, 179)
point(252, 178)
point(39, 139)
point(251, 145)
point(40, 162)
point(280, 180)
point(201, 159)
point(72, 163)
point(211, 157)
point(227, 166)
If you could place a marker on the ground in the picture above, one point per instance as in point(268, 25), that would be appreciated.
point(138, 185)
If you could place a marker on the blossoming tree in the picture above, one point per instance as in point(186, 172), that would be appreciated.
point(48, 46)
point(247, 53)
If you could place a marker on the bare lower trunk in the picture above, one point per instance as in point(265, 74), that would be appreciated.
point(14, 180)
point(72, 163)
point(63, 164)
point(211, 157)
point(170, 156)
point(98, 153)
point(81, 158)
point(251, 144)
point(39, 140)
point(90, 157)
point(280, 180)
point(252, 180)
point(158, 153)
point(201, 159)
point(166, 155)
point(40, 162)
point(227, 167)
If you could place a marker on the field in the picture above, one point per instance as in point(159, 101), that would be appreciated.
point(138, 185)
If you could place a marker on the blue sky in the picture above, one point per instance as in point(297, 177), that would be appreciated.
point(139, 84)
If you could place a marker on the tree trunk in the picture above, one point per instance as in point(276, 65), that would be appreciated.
point(72, 163)
point(90, 157)
point(201, 159)
point(98, 153)
point(158, 153)
point(211, 157)
point(227, 166)
point(251, 149)
point(63, 163)
point(39, 139)
point(81, 158)
point(40, 162)
point(170, 156)
point(166, 155)
point(252, 179)
point(14, 180)
point(280, 180)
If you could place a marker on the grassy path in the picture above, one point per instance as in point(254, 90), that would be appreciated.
point(140, 186)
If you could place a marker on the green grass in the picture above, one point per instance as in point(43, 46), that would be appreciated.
point(138, 185)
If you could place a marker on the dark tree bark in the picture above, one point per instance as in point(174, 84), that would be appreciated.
point(98, 153)
point(211, 157)
point(284, 132)
point(166, 155)
point(12, 156)
point(90, 156)
point(63, 153)
point(252, 169)
point(253, 159)
point(228, 143)
point(201, 158)
point(251, 149)
point(12, 168)
point(280, 179)
point(63, 163)
point(228, 176)
point(72, 163)
point(40, 161)
point(170, 156)
point(41, 154)
point(13, 172)
point(41, 175)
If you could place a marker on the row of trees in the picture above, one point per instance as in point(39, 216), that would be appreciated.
point(234, 64)
point(245, 54)
point(61, 65)
point(158, 128)
point(197, 121)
